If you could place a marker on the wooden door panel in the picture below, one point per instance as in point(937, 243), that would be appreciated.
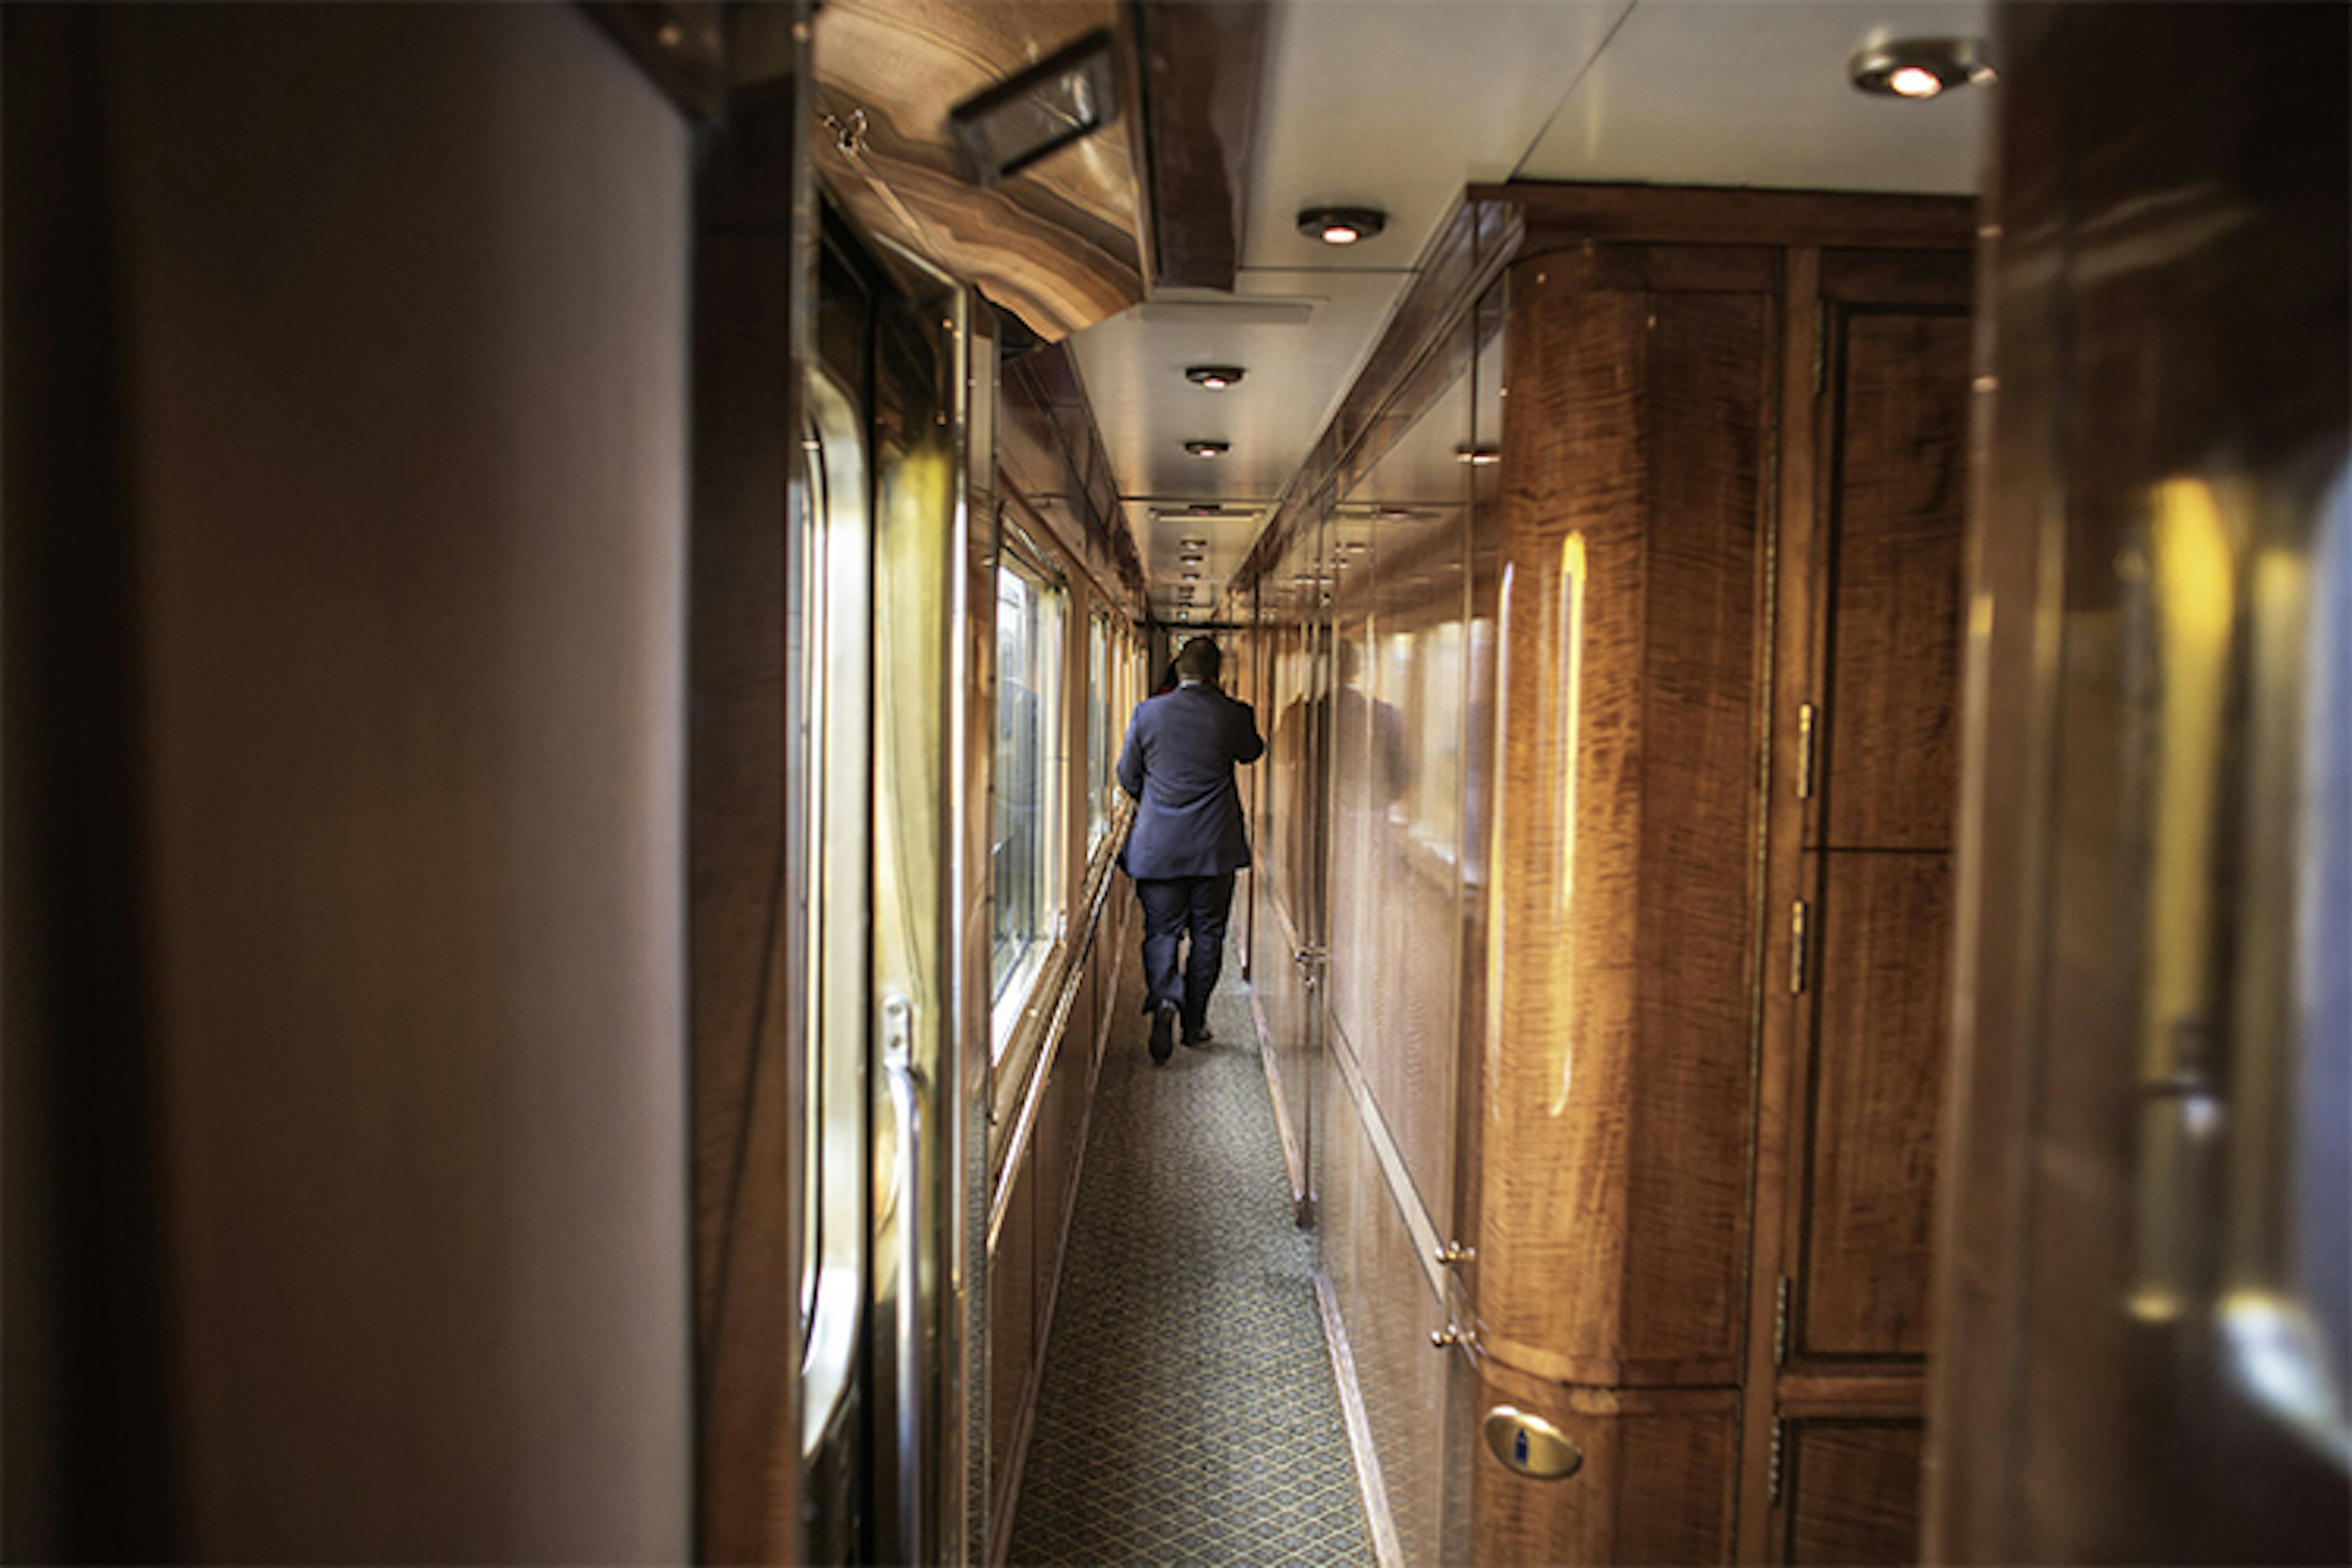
point(1893, 596)
point(1875, 1063)
point(1850, 1491)
point(1656, 1484)
point(1686, 1192)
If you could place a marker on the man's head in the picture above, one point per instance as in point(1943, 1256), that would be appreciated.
point(1199, 660)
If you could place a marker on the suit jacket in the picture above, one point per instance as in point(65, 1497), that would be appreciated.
point(1177, 763)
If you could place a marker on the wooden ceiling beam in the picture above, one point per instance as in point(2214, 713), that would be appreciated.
point(1199, 64)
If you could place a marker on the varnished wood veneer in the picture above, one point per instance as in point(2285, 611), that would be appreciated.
point(1888, 762)
point(1852, 1491)
point(1056, 246)
point(1875, 1067)
point(1869, 634)
point(1199, 75)
point(1616, 1137)
point(1656, 1484)
point(1571, 214)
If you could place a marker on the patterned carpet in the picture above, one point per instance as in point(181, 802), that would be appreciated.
point(1187, 1414)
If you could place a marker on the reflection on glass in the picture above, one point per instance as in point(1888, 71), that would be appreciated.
point(2287, 1318)
point(831, 675)
point(1023, 863)
point(1102, 715)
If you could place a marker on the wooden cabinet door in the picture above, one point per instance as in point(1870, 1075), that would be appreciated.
point(1867, 713)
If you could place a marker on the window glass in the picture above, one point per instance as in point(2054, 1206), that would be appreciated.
point(829, 732)
point(1102, 728)
point(1024, 862)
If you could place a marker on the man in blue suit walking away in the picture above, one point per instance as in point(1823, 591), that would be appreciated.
point(1188, 838)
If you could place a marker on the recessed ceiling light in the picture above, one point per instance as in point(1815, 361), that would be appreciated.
point(1208, 449)
point(1191, 576)
point(1478, 456)
point(1919, 67)
point(1215, 377)
point(1341, 225)
point(1193, 543)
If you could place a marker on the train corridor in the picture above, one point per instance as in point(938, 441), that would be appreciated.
point(1187, 1412)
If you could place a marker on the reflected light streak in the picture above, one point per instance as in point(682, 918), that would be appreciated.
point(2278, 1356)
point(2193, 600)
point(1498, 887)
point(1567, 658)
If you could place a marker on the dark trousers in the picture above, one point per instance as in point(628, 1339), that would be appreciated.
point(1176, 907)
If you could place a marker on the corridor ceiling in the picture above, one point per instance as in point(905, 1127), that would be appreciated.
point(1398, 104)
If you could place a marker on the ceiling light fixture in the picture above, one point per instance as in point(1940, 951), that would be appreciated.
point(1341, 225)
point(1215, 377)
point(1478, 456)
point(1919, 67)
point(1193, 543)
point(1208, 449)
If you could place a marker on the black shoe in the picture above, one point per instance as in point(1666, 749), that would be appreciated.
point(1200, 1037)
point(1164, 1031)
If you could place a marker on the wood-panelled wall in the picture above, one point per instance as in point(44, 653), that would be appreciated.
point(1732, 488)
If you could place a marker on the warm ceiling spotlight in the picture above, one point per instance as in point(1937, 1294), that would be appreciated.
point(1478, 456)
point(1193, 543)
point(1341, 225)
point(1208, 449)
point(1919, 67)
point(1215, 377)
point(1191, 576)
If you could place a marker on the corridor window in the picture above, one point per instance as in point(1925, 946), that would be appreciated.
point(1025, 862)
point(1103, 736)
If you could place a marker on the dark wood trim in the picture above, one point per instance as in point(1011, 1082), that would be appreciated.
point(680, 45)
point(1795, 534)
point(1562, 214)
point(1197, 99)
point(97, 1438)
point(1875, 277)
point(755, 217)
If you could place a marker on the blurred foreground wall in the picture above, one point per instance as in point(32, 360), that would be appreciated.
point(345, 489)
point(2144, 1313)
